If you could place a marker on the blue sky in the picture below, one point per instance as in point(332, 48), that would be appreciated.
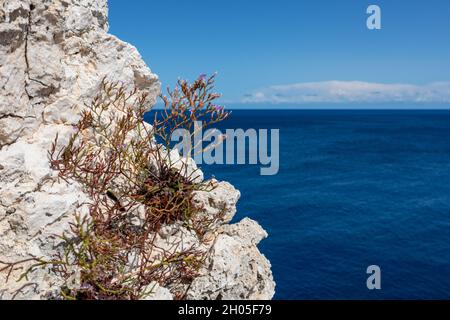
point(295, 52)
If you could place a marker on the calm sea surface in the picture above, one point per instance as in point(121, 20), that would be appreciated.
point(355, 188)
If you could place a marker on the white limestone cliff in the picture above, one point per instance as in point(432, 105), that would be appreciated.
point(53, 56)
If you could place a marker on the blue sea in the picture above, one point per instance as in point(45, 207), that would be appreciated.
point(355, 188)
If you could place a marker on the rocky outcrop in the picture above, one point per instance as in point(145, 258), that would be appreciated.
point(53, 56)
point(235, 269)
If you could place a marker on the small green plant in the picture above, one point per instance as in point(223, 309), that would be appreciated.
point(134, 189)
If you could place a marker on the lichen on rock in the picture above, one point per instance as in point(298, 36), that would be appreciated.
point(54, 56)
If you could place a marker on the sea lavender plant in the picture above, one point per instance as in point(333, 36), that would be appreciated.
point(134, 190)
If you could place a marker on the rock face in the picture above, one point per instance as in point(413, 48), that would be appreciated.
point(235, 269)
point(53, 56)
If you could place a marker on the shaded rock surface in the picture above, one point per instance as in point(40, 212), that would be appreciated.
point(53, 57)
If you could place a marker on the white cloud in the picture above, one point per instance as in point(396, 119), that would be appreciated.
point(351, 92)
